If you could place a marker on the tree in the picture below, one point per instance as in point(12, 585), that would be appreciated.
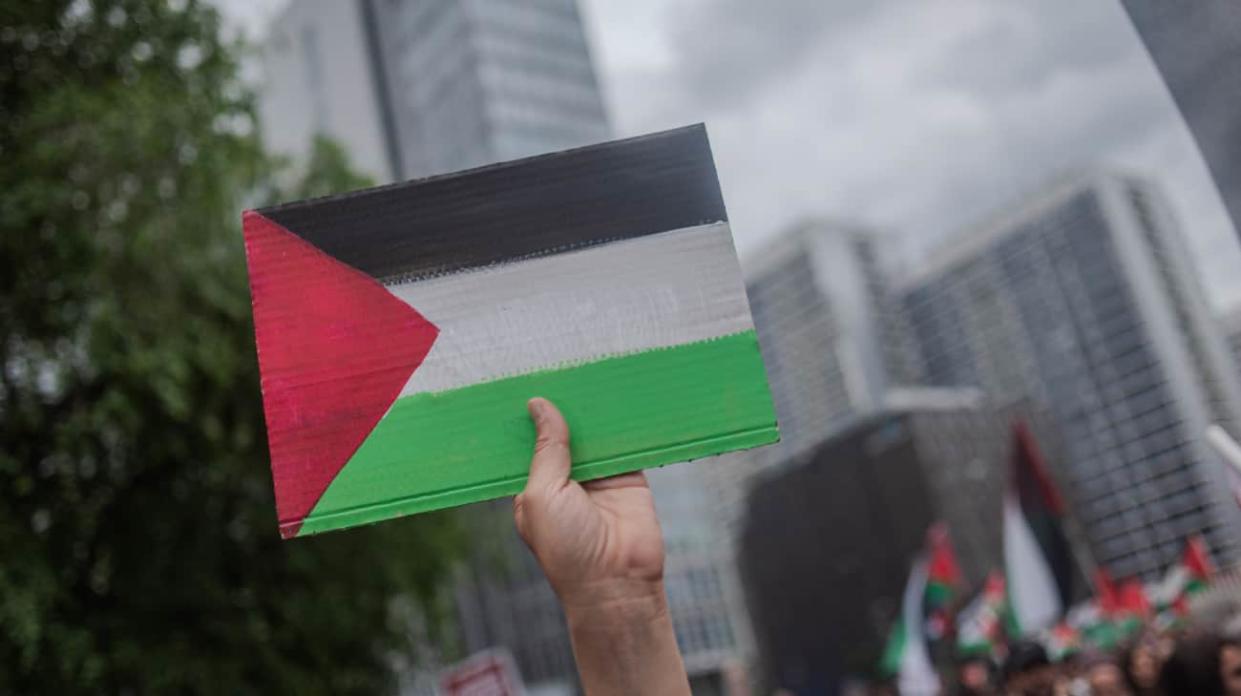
point(138, 542)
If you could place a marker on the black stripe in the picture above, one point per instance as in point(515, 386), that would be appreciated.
point(576, 198)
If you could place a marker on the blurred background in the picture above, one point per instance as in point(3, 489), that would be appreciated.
point(979, 240)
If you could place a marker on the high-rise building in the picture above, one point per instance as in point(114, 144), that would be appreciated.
point(1197, 48)
point(472, 82)
point(502, 599)
point(420, 87)
point(1085, 300)
point(829, 329)
point(828, 539)
point(318, 78)
point(1231, 325)
point(704, 591)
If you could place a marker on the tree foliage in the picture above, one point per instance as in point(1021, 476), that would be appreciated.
point(138, 542)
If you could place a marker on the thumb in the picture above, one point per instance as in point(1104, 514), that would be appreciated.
point(549, 468)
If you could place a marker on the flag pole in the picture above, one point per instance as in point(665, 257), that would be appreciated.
point(1223, 444)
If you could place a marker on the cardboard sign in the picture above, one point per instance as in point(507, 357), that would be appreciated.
point(401, 329)
point(489, 673)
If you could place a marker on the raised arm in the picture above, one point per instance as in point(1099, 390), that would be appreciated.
point(600, 545)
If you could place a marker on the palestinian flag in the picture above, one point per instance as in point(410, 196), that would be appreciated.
point(943, 581)
point(1107, 597)
point(906, 656)
point(1062, 641)
point(1186, 578)
point(1133, 600)
point(980, 626)
point(1038, 561)
point(402, 329)
point(1197, 565)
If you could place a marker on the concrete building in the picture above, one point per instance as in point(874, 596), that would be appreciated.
point(830, 331)
point(1197, 48)
point(420, 87)
point(478, 81)
point(704, 590)
point(318, 78)
point(1085, 300)
point(1231, 325)
point(828, 539)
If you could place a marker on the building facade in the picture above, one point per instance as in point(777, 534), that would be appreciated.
point(1197, 48)
point(478, 81)
point(1231, 325)
point(828, 539)
point(317, 77)
point(420, 87)
point(1085, 300)
point(830, 331)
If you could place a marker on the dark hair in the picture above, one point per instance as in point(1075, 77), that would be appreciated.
point(1193, 668)
point(1023, 656)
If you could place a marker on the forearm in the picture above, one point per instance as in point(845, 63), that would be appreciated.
point(624, 642)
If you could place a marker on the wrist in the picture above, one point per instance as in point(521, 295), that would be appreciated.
point(613, 602)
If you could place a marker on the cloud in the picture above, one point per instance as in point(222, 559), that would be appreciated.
point(922, 117)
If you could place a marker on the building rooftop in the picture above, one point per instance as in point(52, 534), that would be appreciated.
point(959, 248)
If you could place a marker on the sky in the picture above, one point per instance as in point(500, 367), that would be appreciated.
point(919, 119)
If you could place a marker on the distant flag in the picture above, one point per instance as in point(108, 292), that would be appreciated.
point(906, 656)
point(943, 581)
point(1133, 599)
point(1062, 641)
point(1106, 597)
point(1197, 564)
point(1037, 558)
point(1187, 577)
point(980, 626)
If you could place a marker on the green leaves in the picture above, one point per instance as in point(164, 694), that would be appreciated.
point(138, 542)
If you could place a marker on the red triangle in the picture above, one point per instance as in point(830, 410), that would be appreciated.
point(335, 348)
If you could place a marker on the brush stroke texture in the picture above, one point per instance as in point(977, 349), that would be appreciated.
point(513, 210)
point(626, 297)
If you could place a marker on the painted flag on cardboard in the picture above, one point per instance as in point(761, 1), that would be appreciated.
point(401, 329)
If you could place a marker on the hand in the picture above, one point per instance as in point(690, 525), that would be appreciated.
point(599, 544)
point(597, 541)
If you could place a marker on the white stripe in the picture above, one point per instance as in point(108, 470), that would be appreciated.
point(1031, 587)
point(623, 297)
point(917, 676)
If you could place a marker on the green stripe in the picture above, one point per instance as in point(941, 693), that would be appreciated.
point(938, 593)
point(626, 413)
point(894, 650)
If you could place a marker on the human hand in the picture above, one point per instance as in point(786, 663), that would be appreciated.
point(600, 546)
point(598, 542)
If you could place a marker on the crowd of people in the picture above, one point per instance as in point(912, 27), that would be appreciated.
point(1181, 662)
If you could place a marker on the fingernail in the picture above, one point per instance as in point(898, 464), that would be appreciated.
point(537, 406)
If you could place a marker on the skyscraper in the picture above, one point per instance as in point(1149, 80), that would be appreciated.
point(472, 82)
point(830, 331)
point(1197, 48)
point(1231, 324)
point(318, 78)
point(420, 87)
point(1085, 300)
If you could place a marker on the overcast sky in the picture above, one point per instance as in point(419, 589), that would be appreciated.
point(920, 119)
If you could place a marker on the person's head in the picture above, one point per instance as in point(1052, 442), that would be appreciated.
point(1194, 668)
point(1230, 666)
point(1106, 678)
point(974, 673)
point(1141, 663)
point(1027, 671)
